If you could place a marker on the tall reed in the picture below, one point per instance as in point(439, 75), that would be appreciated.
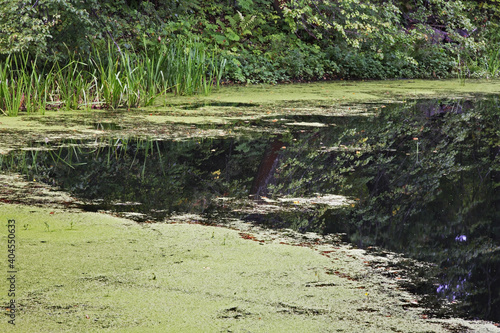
point(11, 89)
point(109, 79)
point(109, 83)
point(36, 91)
point(70, 82)
point(493, 61)
point(22, 86)
point(154, 74)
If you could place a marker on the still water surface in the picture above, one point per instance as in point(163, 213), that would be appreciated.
point(421, 178)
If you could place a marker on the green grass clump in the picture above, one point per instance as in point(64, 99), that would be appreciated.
point(111, 79)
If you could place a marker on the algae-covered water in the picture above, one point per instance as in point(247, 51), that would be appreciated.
point(419, 176)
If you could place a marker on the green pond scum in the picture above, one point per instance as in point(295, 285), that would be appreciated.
point(105, 274)
point(230, 212)
point(238, 102)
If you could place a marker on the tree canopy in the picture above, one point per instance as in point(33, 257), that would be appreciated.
point(272, 40)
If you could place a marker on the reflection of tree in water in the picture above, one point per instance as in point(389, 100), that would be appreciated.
point(166, 176)
point(441, 206)
point(426, 178)
point(267, 168)
point(424, 175)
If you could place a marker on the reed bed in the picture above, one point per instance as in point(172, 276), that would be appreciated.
point(110, 80)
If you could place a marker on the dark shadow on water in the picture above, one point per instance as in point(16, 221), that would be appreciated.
point(105, 126)
point(194, 106)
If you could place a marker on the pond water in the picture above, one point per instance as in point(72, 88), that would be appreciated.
point(421, 178)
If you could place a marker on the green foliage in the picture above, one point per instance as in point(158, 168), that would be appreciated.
point(347, 22)
point(486, 62)
point(367, 40)
point(279, 62)
point(41, 27)
point(264, 41)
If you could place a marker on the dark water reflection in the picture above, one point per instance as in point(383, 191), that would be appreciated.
point(424, 177)
point(434, 194)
